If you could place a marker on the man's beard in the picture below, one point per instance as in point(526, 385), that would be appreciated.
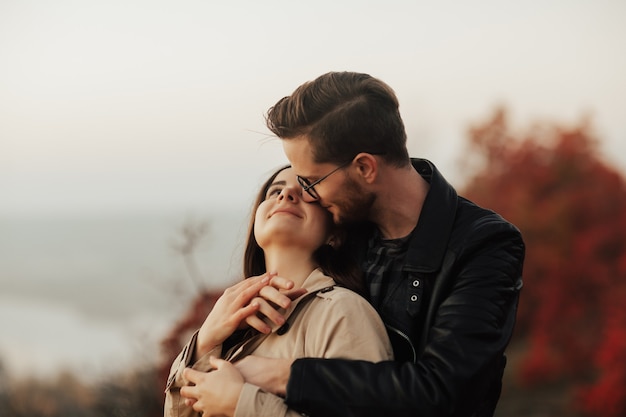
point(356, 204)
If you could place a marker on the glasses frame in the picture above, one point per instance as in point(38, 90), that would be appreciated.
point(309, 187)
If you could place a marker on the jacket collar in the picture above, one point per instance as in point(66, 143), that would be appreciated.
point(315, 281)
point(430, 237)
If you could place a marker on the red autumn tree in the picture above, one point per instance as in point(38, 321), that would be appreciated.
point(605, 397)
point(179, 335)
point(570, 206)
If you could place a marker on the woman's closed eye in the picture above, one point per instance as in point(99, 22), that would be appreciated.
point(273, 191)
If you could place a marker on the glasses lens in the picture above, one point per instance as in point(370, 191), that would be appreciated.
point(304, 183)
point(306, 186)
point(311, 191)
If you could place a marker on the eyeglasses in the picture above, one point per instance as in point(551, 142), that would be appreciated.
point(309, 186)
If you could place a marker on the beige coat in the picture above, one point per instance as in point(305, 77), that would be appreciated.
point(334, 324)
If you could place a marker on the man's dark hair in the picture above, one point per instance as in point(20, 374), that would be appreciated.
point(343, 114)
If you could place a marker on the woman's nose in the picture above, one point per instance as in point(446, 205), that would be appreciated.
point(289, 193)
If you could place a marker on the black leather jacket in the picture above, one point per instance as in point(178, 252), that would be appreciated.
point(450, 345)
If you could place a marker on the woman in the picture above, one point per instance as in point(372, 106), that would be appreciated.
point(290, 238)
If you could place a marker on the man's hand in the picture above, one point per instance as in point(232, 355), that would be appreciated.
point(215, 393)
point(269, 374)
point(278, 294)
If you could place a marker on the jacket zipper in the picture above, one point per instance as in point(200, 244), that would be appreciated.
point(405, 338)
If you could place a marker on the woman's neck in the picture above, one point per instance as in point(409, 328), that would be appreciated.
point(289, 262)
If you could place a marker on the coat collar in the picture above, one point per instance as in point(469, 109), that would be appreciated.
point(314, 282)
point(430, 237)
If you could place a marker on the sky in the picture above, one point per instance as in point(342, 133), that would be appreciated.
point(150, 105)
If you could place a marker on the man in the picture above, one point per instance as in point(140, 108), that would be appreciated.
point(443, 273)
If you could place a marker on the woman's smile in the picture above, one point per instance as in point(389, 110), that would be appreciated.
point(286, 210)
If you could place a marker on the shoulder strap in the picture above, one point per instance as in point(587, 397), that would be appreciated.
point(305, 300)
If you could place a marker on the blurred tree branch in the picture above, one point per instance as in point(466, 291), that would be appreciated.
point(191, 234)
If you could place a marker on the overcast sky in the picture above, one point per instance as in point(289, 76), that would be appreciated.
point(135, 105)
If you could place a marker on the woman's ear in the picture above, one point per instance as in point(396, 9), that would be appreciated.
point(336, 238)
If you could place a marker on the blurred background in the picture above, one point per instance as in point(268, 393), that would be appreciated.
point(132, 142)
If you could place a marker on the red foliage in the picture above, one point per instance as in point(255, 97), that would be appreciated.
point(606, 396)
point(571, 209)
point(180, 334)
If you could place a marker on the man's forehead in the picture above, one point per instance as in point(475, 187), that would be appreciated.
point(298, 151)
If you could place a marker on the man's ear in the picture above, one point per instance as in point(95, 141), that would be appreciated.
point(367, 166)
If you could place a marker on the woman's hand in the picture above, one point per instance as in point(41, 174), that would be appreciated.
point(278, 294)
point(246, 303)
point(215, 393)
point(230, 312)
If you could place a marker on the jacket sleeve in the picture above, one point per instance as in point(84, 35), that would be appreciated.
point(462, 355)
point(345, 327)
point(174, 404)
point(254, 402)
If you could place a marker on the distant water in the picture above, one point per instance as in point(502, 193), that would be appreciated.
point(90, 292)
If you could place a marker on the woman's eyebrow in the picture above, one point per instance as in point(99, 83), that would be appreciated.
point(278, 183)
